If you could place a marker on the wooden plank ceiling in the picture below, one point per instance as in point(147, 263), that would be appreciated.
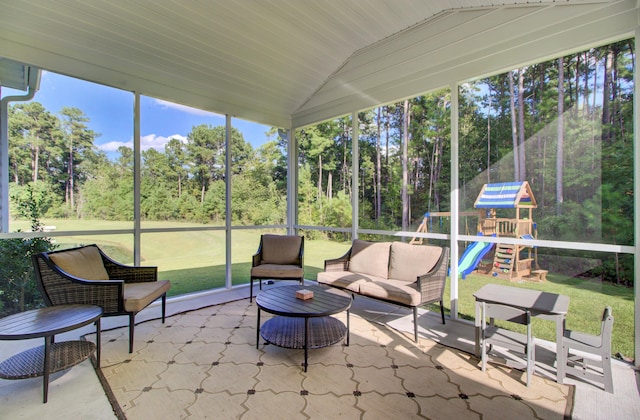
point(278, 62)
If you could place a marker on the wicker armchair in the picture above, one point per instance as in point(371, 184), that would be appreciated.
point(279, 257)
point(85, 275)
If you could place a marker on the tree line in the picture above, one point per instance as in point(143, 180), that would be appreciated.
point(564, 125)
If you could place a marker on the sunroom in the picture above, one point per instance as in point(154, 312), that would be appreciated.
point(348, 72)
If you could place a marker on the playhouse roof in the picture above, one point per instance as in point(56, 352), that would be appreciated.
point(506, 195)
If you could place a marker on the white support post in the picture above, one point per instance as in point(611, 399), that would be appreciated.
point(34, 85)
point(636, 206)
point(227, 176)
point(455, 202)
point(292, 182)
point(355, 179)
point(137, 165)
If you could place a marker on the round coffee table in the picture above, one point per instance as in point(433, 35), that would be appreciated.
point(52, 357)
point(303, 324)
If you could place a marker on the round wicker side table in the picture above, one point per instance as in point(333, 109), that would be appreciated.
point(51, 357)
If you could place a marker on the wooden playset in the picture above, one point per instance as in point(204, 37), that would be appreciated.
point(508, 261)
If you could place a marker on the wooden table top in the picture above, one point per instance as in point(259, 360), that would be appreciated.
point(282, 300)
point(47, 321)
point(535, 300)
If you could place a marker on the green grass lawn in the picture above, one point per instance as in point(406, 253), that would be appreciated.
point(195, 261)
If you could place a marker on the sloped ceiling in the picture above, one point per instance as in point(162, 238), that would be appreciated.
point(295, 62)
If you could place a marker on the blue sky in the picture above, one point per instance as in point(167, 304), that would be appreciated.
point(111, 114)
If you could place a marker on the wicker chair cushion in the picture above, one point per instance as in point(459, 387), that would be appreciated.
point(277, 271)
point(370, 258)
point(138, 296)
point(279, 249)
point(407, 261)
point(85, 263)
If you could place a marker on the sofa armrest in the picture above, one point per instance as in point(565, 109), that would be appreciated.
point(338, 264)
point(431, 285)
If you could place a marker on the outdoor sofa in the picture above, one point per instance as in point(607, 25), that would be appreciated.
point(394, 272)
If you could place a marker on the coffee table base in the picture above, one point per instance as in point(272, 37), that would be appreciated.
point(289, 332)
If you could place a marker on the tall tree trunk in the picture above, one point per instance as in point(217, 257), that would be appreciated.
point(378, 173)
point(616, 115)
point(405, 164)
point(586, 83)
point(319, 177)
point(514, 129)
point(606, 96)
point(345, 168)
point(35, 162)
point(560, 144)
point(537, 174)
point(386, 132)
point(574, 109)
point(437, 163)
point(69, 192)
point(489, 137)
point(522, 166)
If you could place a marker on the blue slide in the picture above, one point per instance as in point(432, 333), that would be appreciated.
point(472, 256)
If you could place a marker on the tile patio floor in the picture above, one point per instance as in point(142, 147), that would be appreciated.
point(77, 393)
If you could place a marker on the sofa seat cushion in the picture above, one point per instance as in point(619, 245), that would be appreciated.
point(277, 271)
point(346, 279)
point(138, 296)
point(371, 258)
point(279, 249)
point(407, 262)
point(392, 290)
point(85, 263)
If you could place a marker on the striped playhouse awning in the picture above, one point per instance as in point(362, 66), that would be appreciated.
point(506, 195)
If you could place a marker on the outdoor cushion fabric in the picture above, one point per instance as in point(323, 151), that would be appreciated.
point(85, 263)
point(280, 249)
point(392, 290)
point(370, 258)
point(346, 279)
point(276, 271)
point(407, 261)
point(138, 295)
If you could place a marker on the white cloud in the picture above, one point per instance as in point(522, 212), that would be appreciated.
point(150, 141)
point(112, 146)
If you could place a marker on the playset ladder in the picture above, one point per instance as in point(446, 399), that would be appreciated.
point(503, 260)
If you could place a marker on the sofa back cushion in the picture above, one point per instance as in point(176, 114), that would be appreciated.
point(281, 249)
point(408, 261)
point(85, 263)
point(370, 258)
